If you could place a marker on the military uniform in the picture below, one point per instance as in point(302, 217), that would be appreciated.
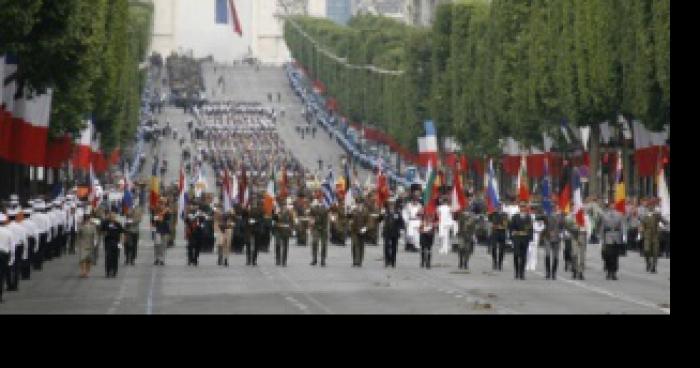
point(520, 228)
point(6, 239)
point(132, 235)
point(427, 237)
point(466, 234)
point(552, 243)
point(338, 221)
point(358, 228)
point(195, 240)
point(374, 219)
point(283, 223)
point(393, 223)
point(253, 234)
point(33, 233)
point(19, 239)
point(578, 238)
point(113, 233)
point(319, 232)
point(650, 227)
point(613, 230)
point(499, 225)
point(302, 227)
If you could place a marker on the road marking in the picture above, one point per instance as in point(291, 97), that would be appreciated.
point(304, 293)
point(149, 302)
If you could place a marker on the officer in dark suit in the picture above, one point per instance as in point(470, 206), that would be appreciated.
point(520, 228)
point(114, 235)
point(253, 231)
point(499, 225)
point(393, 224)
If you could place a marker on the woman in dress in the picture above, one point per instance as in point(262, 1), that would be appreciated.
point(87, 242)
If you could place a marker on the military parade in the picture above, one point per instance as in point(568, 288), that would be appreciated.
point(240, 186)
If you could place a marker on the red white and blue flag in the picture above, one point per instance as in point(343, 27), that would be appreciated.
point(493, 202)
point(223, 9)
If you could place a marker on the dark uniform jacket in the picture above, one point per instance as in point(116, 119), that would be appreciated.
point(284, 221)
point(393, 224)
point(320, 217)
point(499, 221)
point(112, 231)
point(466, 228)
point(521, 227)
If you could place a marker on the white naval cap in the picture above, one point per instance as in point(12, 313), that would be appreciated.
point(11, 212)
point(3, 218)
point(27, 211)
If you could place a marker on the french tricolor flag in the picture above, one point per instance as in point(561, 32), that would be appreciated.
point(493, 202)
point(223, 9)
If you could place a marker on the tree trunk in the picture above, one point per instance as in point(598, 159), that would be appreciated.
point(593, 172)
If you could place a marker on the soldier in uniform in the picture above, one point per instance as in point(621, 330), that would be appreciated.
point(613, 234)
point(393, 224)
point(196, 239)
point(302, 220)
point(578, 237)
point(253, 233)
point(132, 235)
point(358, 228)
point(466, 233)
point(284, 220)
point(33, 233)
point(375, 218)
point(6, 240)
point(161, 222)
point(337, 219)
point(520, 228)
point(42, 222)
point(319, 232)
point(553, 228)
point(427, 237)
point(650, 229)
point(499, 225)
point(114, 235)
point(87, 241)
point(19, 239)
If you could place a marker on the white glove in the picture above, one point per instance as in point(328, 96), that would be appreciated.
point(363, 230)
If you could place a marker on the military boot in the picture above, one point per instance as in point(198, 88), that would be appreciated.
point(547, 266)
point(554, 269)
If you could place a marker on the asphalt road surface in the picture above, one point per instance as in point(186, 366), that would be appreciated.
point(338, 288)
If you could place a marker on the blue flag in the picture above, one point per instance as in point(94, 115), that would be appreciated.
point(327, 188)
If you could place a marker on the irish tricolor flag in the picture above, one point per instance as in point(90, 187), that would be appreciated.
point(431, 190)
point(269, 202)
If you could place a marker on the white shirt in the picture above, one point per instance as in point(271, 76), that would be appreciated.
point(21, 235)
point(42, 224)
point(5, 240)
point(444, 215)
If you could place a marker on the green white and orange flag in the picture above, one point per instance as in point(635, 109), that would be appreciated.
point(269, 201)
point(431, 190)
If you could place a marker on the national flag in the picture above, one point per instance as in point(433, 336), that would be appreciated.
point(127, 199)
point(270, 194)
point(523, 189)
point(283, 192)
point(8, 67)
point(662, 191)
point(619, 187)
point(31, 128)
point(200, 185)
point(182, 187)
point(493, 202)
point(227, 191)
point(565, 130)
point(349, 199)
point(431, 191)
point(459, 200)
point(243, 188)
point(382, 187)
point(328, 195)
point(546, 191)
point(93, 198)
point(234, 17)
point(81, 158)
point(578, 200)
point(155, 187)
point(427, 146)
point(565, 189)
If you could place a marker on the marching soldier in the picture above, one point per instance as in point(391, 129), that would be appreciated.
point(283, 221)
point(499, 225)
point(358, 228)
point(87, 241)
point(319, 232)
point(132, 235)
point(114, 235)
point(578, 237)
point(552, 234)
point(253, 230)
point(19, 239)
point(337, 219)
point(6, 240)
point(33, 234)
point(613, 234)
point(520, 228)
point(393, 224)
point(302, 220)
point(427, 237)
point(650, 229)
point(375, 218)
point(161, 222)
point(466, 233)
point(43, 223)
point(196, 239)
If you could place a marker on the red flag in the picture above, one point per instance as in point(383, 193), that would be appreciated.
point(382, 189)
